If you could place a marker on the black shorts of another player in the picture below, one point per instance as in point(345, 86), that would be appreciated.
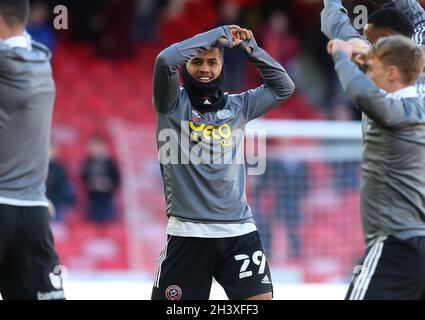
point(392, 269)
point(29, 266)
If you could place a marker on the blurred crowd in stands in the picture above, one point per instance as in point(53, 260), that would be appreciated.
point(99, 178)
point(103, 67)
point(289, 30)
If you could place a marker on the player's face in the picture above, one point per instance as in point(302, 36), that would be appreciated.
point(206, 66)
point(378, 73)
point(373, 33)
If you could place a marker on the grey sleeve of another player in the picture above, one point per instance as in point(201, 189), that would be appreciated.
point(166, 76)
point(335, 23)
point(383, 110)
point(416, 14)
point(277, 86)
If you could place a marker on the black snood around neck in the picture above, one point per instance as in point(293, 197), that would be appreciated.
point(205, 97)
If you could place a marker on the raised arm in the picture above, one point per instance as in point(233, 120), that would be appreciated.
point(335, 23)
point(166, 77)
point(416, 14)
point(373, 102)
point(277, 86)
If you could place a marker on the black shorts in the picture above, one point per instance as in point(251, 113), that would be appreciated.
point(392, 269)
point(29, 266)
point(187, 265)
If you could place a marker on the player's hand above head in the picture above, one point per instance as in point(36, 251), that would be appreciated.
point(360, 50)
point(233, 29)
point(359, 46)
point(340, 45)
point(239, 35)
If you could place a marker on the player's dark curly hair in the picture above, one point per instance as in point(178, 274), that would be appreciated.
point(14, 12)
point(392, 19)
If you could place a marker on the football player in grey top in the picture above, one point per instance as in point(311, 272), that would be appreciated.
point(29, 267)
point(211, 232)
point(393, 182)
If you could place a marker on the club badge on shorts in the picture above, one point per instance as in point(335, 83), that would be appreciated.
point(173, 292)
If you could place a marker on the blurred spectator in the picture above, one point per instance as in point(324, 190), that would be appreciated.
point(235, 60)
point(346, 176)
point(279, 41)
point(146, 16)
point(106, 23)
point(276, 197)
point(317, 78)
point(101, 179)
point(116, 40)
point(323, 197)
point(87, 22)
point(39, 26)
point(184, 18)
point(268, 6)
point(174, 9)
point(59, 190)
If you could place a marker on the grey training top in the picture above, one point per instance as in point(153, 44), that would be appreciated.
point(26, 104)
point(393, 181)
point(336, 25)
point(212, 191)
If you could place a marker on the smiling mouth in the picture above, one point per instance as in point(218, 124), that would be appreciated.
point(204, 79)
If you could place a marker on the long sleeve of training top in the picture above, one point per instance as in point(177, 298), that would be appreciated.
point(166, 76)
point(392, 190)
point(277, 84)
point(335, 23)
point(372, 101)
